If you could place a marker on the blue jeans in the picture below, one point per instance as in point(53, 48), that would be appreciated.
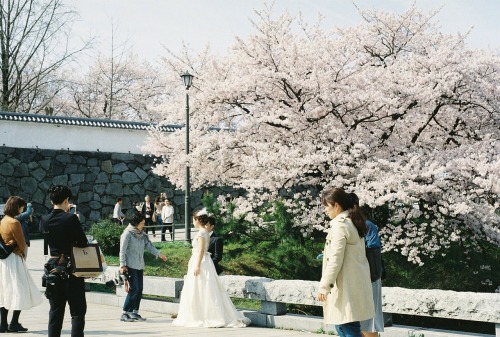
point(134, 296)
point(352, 329)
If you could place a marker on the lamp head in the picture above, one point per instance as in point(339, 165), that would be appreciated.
point(187, 78)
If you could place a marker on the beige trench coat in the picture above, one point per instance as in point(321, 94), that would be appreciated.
point(346, 274)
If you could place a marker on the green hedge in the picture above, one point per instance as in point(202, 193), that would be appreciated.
point(107, 233)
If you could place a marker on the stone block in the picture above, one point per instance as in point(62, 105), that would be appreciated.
point(130, 178)
point(80, 160)
point(245, 286)
point(106, 166)
point(21, 170)
point(257, 318)
point(273, 308)
point(292, 291)
point(85, 197)
point(114, 189)
point(127, 191)
point(141, 173)
point(102, 178)
point(108, 200)
point(38, 174)
point(151, 183)
point(90, 177)
point(14, 161)
point(94, 216)
point(29, 185)
point(95, 205)
point(139, 190)
point(39, 196)
point(481, 307)
point(163, 286)
point(6, 169)
point(120, 167)
point(77, 178)
point(122, 156)
point(32, 165)
point(45, 163)
point(63, 158)
point(295, 322)
point(60, 180)
point(71, 169)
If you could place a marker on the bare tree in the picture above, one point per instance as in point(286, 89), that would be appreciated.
point(34, 36)
point(117, 85)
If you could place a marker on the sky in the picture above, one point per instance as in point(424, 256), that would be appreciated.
point(149, 26)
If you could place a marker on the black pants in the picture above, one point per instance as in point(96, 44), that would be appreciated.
point(149, 222)
point(72, 291)
point(164, 228)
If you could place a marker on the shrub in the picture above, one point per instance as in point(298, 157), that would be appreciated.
point(107, 233)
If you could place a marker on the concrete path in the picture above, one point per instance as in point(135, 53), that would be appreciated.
point(102, 320)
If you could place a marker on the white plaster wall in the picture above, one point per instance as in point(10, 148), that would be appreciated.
point(76, 138)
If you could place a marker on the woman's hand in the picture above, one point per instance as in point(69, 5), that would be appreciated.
point(197, 271)
point(321, 297)
point(163, 257)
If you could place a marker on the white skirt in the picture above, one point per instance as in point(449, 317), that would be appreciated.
point(17, 288)
point(204, 301)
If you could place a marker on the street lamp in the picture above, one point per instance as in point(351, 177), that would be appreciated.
point(187, 78)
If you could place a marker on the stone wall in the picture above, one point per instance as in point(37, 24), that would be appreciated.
point(96, 180)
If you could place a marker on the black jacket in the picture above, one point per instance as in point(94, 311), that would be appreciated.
point(215, 248)
point(64, 232)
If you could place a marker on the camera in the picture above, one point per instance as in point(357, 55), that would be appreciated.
point(72, 209)
point(119, 279)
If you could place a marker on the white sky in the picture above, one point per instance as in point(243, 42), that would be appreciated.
point(148, 25)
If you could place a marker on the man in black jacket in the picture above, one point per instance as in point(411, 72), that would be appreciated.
point(62, 231)
point(216, 245)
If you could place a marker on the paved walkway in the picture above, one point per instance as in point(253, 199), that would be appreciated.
point(102, 320)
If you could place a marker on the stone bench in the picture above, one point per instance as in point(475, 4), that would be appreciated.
point(275, 294)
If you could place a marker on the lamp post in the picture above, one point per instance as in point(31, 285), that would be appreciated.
point(187, 78)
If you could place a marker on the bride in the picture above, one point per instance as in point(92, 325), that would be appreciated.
point(204, 301)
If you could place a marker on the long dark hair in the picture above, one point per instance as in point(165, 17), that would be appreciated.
point(348, 201)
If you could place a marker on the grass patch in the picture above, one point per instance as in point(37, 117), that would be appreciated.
point(101, 288)
point(177, 253)
point(245, 303)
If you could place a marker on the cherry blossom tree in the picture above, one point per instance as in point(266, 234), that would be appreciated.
point(393, 109)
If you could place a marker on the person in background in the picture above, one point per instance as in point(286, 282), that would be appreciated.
point(26, 218)
point(167, 215)
point(158, 207)
point(63, 231)
point(215, 246)
point(133, 242)
point(118, 215)
point(147, 211)
point(17, 289)
point(372, 326)
point(345, 287)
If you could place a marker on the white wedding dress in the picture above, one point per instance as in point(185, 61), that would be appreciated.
point(204, 301)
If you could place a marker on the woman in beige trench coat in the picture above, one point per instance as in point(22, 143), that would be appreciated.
point(345, 287)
